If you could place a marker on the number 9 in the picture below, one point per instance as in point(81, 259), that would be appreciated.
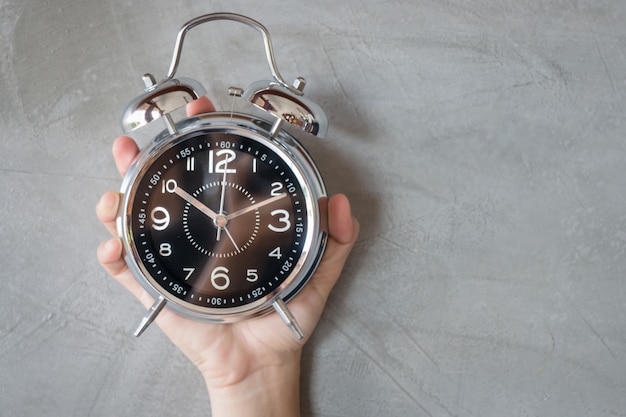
point(160, 218)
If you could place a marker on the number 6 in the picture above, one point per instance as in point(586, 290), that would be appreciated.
point(220, 273)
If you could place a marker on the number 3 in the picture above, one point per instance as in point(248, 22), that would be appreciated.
point(284, 219)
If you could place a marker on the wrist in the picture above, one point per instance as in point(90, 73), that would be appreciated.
point(271, 390)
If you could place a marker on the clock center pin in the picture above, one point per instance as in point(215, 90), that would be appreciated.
point(220, 220)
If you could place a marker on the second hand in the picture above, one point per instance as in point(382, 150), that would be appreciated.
point(221, 212)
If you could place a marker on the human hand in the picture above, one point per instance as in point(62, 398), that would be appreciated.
point(250, 367)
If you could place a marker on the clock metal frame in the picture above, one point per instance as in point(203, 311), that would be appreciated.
point(273, 113)
point(284, 145)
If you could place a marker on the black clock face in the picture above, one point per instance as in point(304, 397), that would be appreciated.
point(219, 220)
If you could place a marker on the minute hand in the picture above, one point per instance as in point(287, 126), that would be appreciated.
point(255, 206)
point(196, 203)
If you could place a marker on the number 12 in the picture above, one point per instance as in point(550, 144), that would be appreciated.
point(220, 167)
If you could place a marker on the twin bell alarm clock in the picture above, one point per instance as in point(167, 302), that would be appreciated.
point(223, 214)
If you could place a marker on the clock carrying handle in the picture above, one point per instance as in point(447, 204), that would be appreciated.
point(161, 98)
point(269, 52)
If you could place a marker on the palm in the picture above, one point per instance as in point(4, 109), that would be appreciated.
point(219, 349)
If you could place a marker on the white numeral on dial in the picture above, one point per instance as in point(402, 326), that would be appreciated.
point(220, 166)
point(219, 278)
point(165, 249)
point(189, 272)
point(160, 218)
point(276, 188)
point(168, 186)
point(283, 219)
point(276, 253)
point(252, 275)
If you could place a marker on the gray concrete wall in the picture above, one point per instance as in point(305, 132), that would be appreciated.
point(482, 145)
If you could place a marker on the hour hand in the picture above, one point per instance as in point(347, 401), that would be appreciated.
point(255, 206)
point(196, 203)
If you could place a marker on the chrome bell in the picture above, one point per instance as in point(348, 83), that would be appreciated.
point(158, 100)
point(283, 103)
point(277, 98)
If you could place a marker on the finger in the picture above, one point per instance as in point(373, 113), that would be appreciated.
point(107, 209)
point(343, 233)
point(341, 225)
point(124, 150)
point(110, 256)
point(201, 105)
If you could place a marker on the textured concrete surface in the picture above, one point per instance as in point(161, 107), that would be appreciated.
point(483, 147)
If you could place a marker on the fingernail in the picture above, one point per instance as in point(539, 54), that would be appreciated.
point(109, 201)
point(111, 245)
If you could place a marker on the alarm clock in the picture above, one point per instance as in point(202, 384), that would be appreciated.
point(223, 214)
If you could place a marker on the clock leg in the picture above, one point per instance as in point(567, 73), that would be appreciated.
point(150, 315)
point(288, 318)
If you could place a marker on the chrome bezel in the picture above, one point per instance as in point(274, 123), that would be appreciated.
point(297, 158)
